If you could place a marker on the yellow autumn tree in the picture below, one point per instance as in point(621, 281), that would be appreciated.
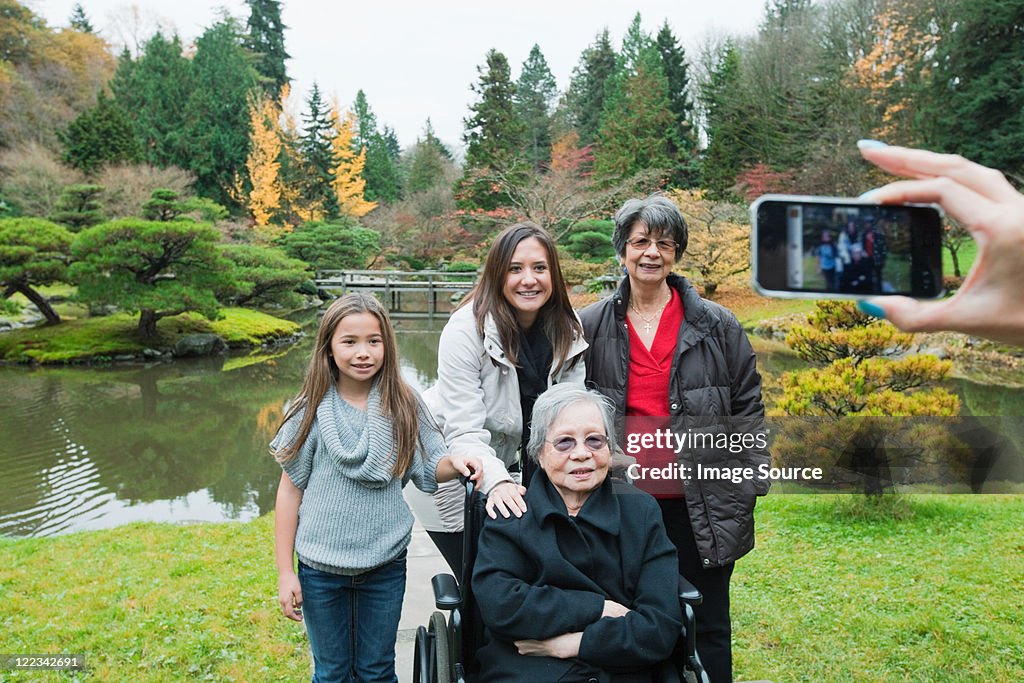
point(263, 165)
point(349, 184)
point(719, 239)
point(887, 74)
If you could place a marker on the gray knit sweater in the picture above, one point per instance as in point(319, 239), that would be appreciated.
point(353, 516)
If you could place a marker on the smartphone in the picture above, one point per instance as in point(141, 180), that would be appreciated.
point(834, 248)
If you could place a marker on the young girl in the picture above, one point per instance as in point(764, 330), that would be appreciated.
point(350, 440)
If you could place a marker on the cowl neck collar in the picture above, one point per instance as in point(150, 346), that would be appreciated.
point(360, 445)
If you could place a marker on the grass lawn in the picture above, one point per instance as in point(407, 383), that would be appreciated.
point(826, 596)
point(831, 596)
point(100, 338)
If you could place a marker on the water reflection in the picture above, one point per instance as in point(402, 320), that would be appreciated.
point(88, 448)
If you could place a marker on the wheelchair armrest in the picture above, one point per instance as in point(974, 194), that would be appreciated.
point(687, 593)
point(446, 592)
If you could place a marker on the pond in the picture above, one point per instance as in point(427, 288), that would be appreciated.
point(97, 447)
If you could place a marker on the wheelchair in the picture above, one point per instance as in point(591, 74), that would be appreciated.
point(445, 648)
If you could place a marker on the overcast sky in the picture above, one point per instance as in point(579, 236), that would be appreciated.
point(418, 59)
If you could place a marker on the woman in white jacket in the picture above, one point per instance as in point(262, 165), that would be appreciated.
point(513, 336)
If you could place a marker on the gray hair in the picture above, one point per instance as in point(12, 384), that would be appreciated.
point(659, 214)
point(552, 402)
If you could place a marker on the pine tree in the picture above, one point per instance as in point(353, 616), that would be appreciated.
point(534, 97)
point(589, 86)
point(265, 37)
point(79, 207)
point(216, 137)
point(318, 198)
point(635, 43)
point(979, 86)
point(383, 183)
point(79, 21)
point(683, 144)
point(101, 135)
point(33, 252)
point(152, 91)
point(727, 152)
point(349, 184)
point(637, 125)
point(428, 162)
point(494, 133)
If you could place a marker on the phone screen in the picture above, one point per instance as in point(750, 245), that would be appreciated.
point(814, 246)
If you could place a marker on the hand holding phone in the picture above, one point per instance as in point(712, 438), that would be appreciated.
point(988, 304)
point(825, 247)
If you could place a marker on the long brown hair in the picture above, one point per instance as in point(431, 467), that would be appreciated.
point(397, 399)
point(559, 322)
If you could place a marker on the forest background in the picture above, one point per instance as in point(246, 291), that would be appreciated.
point(778, 110)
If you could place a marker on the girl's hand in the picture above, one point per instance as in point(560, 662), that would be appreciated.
point(987, 304)
point(507, 498)
point(289, 594)
point(454, 464)
point(564, 646)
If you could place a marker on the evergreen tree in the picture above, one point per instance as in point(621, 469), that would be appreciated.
point(430, 139)
point(318, 162)
point(684, 142)
point(383, 183)
point(637, 128)
point(33, 252)
point(494, 133)
point(535, 95)
point(727, 151)
point(79, 207)
point(980, 86)
point(265, 37)
point(79, 21)
point(635, 43)
point(589, 86)
point(428, 162)
point(101, 135)
point(217, 111)
point(152, 91)
point(158, 269)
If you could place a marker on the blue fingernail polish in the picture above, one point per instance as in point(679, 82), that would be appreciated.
point(870, 144)
point(871, 309)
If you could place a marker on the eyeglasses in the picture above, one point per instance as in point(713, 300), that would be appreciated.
point(594, 442)
point(644, 243)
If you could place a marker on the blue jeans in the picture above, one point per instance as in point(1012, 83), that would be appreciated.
point(352, 622)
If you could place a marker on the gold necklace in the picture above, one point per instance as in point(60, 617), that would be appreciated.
point(655, 316)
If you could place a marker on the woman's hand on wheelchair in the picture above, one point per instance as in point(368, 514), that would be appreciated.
point(565, 646)
point(506, 498)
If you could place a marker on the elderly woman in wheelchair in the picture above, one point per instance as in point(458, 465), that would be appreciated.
point(583, 587)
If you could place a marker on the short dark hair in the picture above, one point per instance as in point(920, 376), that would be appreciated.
point(659, 214)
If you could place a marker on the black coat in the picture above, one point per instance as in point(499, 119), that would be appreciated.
point(714, 373)
point(547, 573)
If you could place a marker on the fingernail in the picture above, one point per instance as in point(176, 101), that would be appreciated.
point(868, 196)
point(870, 144)
point(871, 309)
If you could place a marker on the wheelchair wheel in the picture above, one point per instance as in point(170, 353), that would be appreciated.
point(442, 648)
